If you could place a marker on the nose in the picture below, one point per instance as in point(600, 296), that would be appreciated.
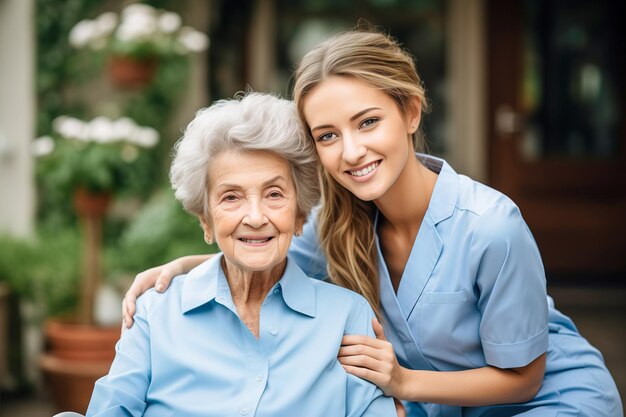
point(353, 149)
point(254, 216)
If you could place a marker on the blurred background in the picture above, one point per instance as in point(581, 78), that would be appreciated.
point(527, 96)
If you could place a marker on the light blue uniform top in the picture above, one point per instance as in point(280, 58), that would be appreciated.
point(188, 353)
point(473, 293)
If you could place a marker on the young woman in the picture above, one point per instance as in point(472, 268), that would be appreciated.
point(448, 264)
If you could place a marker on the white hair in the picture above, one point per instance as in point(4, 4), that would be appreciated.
point(253, 122)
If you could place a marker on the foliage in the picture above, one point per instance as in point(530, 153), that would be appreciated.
point(140, 31)
point(100, 156)
point(44, 270)
point(60, 66)
point(160, 232)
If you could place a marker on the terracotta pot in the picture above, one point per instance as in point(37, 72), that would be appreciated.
point(77, 356)
point(91, 204)
point(81, 342)
point(71, 383)
point(131, 73)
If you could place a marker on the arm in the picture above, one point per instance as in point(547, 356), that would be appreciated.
point(159, 277)
point(513, 329)
point(374, 360)
point(365, 398)
point(123, 391)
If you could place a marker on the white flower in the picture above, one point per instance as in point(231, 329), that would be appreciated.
point(137, 26)
point(146, 137)
point(82, 33)
point(169, 22)
point(101, 130)
point(106, 23)
point(70, 127)
point(138, 9)
point(193, 40)
point(124, 128)
point(42, 146)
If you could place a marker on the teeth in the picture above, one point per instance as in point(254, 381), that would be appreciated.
point(365, 170)
point(254, 240)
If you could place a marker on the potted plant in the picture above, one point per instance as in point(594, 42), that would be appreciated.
point(135, 40)
point(93, 161)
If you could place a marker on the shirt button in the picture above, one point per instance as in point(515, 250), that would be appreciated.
point(243, 411)
point(259, 378)
point(276, 291)
point(273, 331)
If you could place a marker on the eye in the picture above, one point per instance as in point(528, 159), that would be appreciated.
point(275, 194)
point(230, 198)
point(369, 122)
point(326, 137)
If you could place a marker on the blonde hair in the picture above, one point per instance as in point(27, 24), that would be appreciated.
point(345, 223)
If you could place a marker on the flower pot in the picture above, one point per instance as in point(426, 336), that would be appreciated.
point(91, 204)
point(127, 72)
point(77, 356)
point(81, 342)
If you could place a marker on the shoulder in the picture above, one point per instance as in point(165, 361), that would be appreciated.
point(478, 198)
point(152, 301)
point(338, 298)
point(492, 219)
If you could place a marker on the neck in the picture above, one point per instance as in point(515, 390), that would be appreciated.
point(404, 205)
point(249, 288)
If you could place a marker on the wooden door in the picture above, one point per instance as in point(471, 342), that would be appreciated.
point(557, 130)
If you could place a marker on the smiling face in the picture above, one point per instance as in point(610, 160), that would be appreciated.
point(252, 209)
point(362, 137)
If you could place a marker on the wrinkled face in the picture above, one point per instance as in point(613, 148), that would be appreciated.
point(362, 136)
point(252, 209)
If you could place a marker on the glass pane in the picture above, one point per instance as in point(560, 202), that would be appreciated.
point(573, 78)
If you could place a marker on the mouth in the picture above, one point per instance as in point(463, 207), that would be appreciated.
point(255, 241)
point(363, 171)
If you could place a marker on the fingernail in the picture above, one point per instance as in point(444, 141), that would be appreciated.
point(159, 287)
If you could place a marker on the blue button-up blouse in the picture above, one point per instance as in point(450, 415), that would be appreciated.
point(189, 354)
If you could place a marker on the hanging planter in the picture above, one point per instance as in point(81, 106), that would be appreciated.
point(127, 72)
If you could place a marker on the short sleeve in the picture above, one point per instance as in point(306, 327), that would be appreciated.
point(363, 397)
point(512, 289)
point(306, 251)
point(123, 391)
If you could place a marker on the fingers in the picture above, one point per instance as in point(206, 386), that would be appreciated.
point(354, 350)
point(165, 278)
point(128, 309)
point(378, 330)
point(364, 373)
point(363, 340)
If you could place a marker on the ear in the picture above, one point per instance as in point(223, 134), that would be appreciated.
point(414, 115)
point(208, 230)
point(300, 220)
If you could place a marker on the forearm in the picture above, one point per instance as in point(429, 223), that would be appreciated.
point(191, 261)
point(474, 387)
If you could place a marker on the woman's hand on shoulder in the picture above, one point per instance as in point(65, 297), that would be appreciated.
point(373, 359)
point(158, 277)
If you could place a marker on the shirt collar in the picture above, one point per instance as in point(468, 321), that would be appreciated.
point(445, 194)
point(207, 282)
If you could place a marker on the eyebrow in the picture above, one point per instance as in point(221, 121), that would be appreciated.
point(266, 184)
point(353, 118)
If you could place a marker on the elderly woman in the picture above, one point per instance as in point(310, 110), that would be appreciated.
point(246, 332)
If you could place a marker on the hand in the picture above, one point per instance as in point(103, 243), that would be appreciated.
point(373, 360)
point(159, 277)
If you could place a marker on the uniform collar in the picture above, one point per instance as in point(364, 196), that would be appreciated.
point(207, 282)
point(445, 194)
